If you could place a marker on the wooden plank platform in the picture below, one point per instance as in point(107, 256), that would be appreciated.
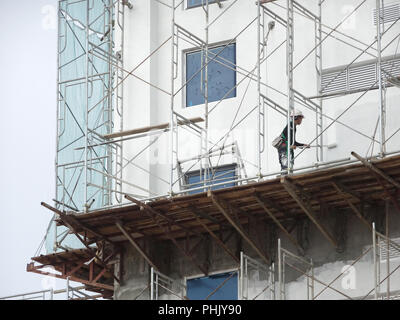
point(150, 128)
point(80, 266)
point(280, 201)
point(317, 188)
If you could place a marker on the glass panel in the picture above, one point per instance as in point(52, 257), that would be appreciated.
point(201, 288)
point(73, 119)
point(197, 3)
point(221, 75)
point(221, 174)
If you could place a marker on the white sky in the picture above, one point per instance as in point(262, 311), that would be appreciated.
point(28, 60)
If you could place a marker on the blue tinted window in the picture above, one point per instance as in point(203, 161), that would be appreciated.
point(221, 75)
point(197, 3)
point(221, 174)
point(201, 288)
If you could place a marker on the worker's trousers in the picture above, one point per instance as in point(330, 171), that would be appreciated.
point(283, 157)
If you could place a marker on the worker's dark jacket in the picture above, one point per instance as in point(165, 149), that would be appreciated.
point(284, 135)
point(282, 150)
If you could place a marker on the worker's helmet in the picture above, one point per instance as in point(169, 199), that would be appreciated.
point(296, 114)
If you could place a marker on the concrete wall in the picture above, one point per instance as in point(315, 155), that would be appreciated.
point(354, 239)
point(148, 25)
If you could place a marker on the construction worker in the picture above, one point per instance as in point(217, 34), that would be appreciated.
point(298, 117)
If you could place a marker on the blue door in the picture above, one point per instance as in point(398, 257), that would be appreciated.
point(201, 288)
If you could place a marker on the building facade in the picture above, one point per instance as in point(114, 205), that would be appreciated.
point(162, 100)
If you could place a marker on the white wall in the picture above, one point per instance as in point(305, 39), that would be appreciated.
point(148, 25)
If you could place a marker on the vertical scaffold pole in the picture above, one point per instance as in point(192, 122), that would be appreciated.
point(171, 123)
point(67, 289)
point(207, 174)
point(382, 109)
point(119, 100)
point(387, 249)
point(279, 271)
point(85, 201)
point(56, 176)
point(289, 71)
point(258, 89)
point(375, 262)
point(318, 65)
point(272, 281)
point(108, 185)
point(241, 276)
point(151, 283)
point(312, 280)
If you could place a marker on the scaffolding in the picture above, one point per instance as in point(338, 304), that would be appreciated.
point(381, 251)
point(100, 159)
point(91, 131)
point(69, 293)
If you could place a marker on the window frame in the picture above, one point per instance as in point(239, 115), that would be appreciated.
point(196, 173)
point(214, 273)
point(184, 69)
point(199, 5)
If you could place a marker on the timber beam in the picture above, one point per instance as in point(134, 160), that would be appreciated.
point(291, 188)
point(65, 219)
point(380, 173)
point(263, 203)
point(152, 213)
point(354, 194)
point(340, 190)
point(136, 245)
point(227, 210)
point(155, 212)
point(36, 269)
point(217, 239)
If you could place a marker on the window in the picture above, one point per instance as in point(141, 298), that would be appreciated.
point(221, 174)
point(201, 288)
point(198, 3)
point(221, 75)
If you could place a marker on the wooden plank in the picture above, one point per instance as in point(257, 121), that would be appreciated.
point(373, 168)
point(217, 239)
point(291, 189)
point(72, 278)
point(352, 206)
point(91, 230)
point(220, 204)
point(150, 128)
point(156, 212)
point(80, 265)
point(64, 217)
point(99, 276)
point(136, 245)
point(272, 216)
point(376, 171)
point(166, 231)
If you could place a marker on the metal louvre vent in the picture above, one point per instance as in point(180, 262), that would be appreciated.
point(389, 13)
point(359, 76)
point(362, 77)
point(334, 81)
point(391, 69)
